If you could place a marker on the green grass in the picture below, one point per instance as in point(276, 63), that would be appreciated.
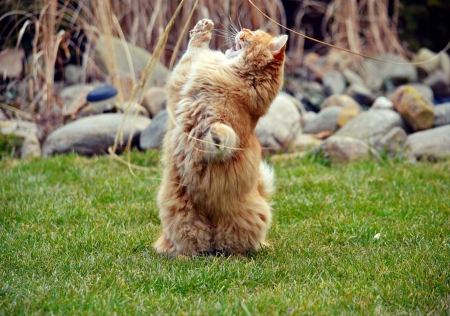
point(76, 237)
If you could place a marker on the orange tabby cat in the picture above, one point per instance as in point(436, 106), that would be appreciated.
point(214, 192)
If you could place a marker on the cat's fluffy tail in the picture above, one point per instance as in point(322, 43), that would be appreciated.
point(266, 186)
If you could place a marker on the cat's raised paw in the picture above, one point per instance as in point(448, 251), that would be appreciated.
point(201, 33)
point(204, 25)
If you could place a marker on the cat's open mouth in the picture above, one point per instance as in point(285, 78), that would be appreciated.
point(234, 51)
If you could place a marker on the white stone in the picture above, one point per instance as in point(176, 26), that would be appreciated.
point(279, 127)
point(382, 103)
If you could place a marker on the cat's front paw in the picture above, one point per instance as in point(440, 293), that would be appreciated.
point(201, 33)
point(222, 140)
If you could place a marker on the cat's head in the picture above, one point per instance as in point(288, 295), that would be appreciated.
point(247, 41)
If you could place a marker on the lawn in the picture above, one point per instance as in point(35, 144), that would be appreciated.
point(76, 237)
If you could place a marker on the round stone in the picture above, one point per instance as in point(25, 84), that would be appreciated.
point(102, 93)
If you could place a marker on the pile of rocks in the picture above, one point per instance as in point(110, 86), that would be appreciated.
point(383, 109)
point(386, 109)
point(92, 112)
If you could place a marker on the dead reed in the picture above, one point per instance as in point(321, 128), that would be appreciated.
point(362, 26)
point(143, 22)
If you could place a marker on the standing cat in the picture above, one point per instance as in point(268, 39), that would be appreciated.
point(214, 192)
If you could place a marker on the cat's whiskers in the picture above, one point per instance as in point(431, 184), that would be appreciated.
point(232, 27)
point(267, 26)
point(239, 15)
point(222, 34)
point(221, 31)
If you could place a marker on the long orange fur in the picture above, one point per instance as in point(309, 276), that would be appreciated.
point(214, 197)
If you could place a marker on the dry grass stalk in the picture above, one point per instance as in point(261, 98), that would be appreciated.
point(105, 26)
point(50, 19)
point(143, 22)
point(146, 75)
point(361, 26)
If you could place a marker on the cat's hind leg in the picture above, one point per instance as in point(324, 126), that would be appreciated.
point(200, 35)
point(244, 229)
point(185, 231)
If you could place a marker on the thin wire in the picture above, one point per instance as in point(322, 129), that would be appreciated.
point(170, 109)
point(172, 118)
point(130, 166)
point(350, 51)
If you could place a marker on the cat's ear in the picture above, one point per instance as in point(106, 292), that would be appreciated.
point(278, 43)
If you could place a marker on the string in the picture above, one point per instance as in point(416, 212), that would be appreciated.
point(172, 118)
point(348, 50)
point(130, 165)
point(170, 109)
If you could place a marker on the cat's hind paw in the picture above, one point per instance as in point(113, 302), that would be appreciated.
point(200, 35)
point(222, 140)
point(164, 246)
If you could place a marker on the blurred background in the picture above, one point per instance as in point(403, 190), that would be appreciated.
point(47, 46)
point(417, 23)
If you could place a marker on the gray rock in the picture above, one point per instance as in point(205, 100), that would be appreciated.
point(31, 147)
point(73, 74)
point(152, 136)
point(341, 100)
point(361, 94)
point(393, 143)
point(74, 97)
point(317, 65)
point(304, 142)
point(333, 82)
point(326, 120)
point(382, 103)
point(353, 78)
point(375, 72)
point(307, 117)
point(300, 106)
point(139, 57)
point(441, 114)
point(92, 135)
point(154, 100)
point(279, 127)
point(370, 126)
point(439, 82)
point(19, 128)
point(133, 107)
point(314, 94)
point(11, 63)
point(342, 149)
point(310, 93)
point(424, 54)
point(445, 63)
point(3, 116)
point(432, 144)
point(346, 115)
point(424, 90)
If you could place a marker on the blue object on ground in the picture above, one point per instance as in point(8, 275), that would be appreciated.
point(441, 100)
point(102, 93)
